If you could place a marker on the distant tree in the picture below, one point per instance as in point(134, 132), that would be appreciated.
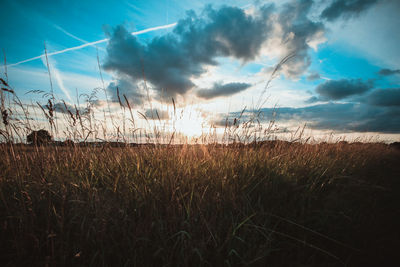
point(38, 138)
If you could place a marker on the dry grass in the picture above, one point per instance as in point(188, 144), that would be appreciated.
point(281, 205)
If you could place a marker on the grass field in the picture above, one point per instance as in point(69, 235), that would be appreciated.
point(277, 204)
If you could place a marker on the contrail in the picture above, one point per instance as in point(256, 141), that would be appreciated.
point(90, 44)
point(69, 34)
point(60, 83)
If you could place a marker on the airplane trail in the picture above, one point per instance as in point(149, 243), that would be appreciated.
point(90, 44)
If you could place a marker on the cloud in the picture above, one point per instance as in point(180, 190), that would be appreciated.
point(348, 117)
point(155, 114)
point(222, 122)
point(126, 87)
point(101, 104)
point(340, 89)
point(378, 111)
point(312, 99)
point(385, 97)
point(169, 62)
point(346, 9)
point(222, 90)
point(62, 107)
point(297, 34)
point(313, 77)
point(388, 72)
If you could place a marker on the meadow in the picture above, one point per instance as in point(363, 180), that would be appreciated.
point(271, 204)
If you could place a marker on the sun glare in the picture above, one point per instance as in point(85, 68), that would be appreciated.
point(191, 124)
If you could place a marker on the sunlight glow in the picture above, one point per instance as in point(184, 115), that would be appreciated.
point(191, 124)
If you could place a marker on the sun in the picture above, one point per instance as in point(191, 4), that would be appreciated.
point(191, 124)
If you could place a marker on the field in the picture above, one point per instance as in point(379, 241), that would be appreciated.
point(274, 204)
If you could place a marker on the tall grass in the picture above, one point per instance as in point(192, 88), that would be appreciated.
point(277, 205)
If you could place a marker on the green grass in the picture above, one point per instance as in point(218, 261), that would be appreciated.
point(200, 205)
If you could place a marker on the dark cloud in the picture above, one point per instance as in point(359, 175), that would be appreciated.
point(346, 9)
point(62, 107)
point(385, 97)
point(169, 62)
point(340, 89)
point(126, 87)
point(312, 99)
point(155, 114)
point(388, 72)
point(353, 117)
point(378, 111)
point(299, 32)
point(348, 117)
point(222, 90)
point(313, 77)
point(231, 32)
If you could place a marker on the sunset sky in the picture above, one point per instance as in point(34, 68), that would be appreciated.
point(214, 58)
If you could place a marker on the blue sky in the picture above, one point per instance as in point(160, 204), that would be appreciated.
point(346, 57)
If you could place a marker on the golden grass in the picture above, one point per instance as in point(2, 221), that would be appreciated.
point(279, 204)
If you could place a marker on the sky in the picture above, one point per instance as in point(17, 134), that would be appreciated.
point(330, 65)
